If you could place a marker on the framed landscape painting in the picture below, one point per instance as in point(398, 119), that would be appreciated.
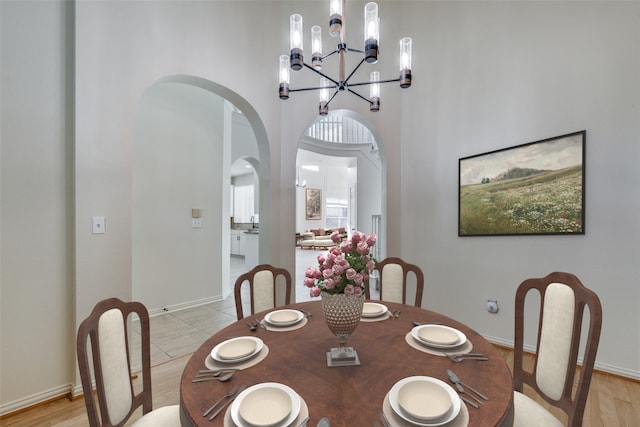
point(313, 206)
point(530, 189)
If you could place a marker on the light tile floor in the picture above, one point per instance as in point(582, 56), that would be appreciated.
point(181, 332)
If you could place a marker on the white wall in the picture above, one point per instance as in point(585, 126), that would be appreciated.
point(177, 166)
point(490, 75)
point(36, 264)
point(487, 75)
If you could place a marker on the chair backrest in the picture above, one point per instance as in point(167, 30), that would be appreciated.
point(563, 299)
point(393, 274)
point(106, 331)
point(262, 288)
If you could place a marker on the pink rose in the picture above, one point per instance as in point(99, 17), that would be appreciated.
point(358, 279)
point(329, 284)
point(362, 248)
point(335, 237)
point(309, 272)
point(327, 273)
point(309, 282)
point(357, 237)
point(371, 239)
point(351, 273)
point(338, 269)
point(317, 274)
point(321, 259)
point(358, 291)
point(349, 290)
point(314, 292)
point(346, 246)
point(371, 265)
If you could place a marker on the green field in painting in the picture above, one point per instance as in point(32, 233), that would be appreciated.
point(546, 203)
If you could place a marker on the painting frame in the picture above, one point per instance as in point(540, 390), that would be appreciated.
point(313, 204)
point(537, 188)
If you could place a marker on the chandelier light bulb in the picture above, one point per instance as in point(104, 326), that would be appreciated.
point(374, 91)
point(295, 41)
point(371, 35)
point(316, 47)
point(335, 18)
point(405, 62)
point(284, 77)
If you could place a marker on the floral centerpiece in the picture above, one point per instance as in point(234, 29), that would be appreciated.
point(340, 279)
point(345, 268)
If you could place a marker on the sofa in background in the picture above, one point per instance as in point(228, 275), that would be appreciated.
point(320, 238)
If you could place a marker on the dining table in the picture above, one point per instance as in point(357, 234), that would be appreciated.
point(350, 395)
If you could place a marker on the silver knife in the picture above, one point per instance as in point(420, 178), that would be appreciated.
point(227, 403)
point(454, 379)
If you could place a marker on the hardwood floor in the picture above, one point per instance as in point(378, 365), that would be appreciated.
point(613, 401)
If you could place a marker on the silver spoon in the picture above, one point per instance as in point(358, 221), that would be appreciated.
point(223, 378)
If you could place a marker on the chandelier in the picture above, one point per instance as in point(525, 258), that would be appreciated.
point(329, 86)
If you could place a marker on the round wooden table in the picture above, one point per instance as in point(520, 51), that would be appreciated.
point(350, 396)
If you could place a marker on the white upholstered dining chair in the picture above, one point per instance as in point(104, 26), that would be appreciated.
point(106, 331)
point(554, 378)
point(263, 288)
point(393, 275)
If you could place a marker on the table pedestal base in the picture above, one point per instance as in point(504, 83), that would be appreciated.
point(343, 356)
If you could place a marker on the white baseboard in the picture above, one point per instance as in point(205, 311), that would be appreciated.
point(34, 399)
point(184, 305)
point(602, 367)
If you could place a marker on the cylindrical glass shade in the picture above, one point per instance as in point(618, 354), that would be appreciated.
point(284, 69)
point(323, 108)
point(295, 31)
point(335, 17)
point(284, 77)
point(371, 32)
point(374, 87)
point(324, 93)
point(405, 53)
point(405, 62)
point(316, 47)
point(374, 91)
point(295, 41)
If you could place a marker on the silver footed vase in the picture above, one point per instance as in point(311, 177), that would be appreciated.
point(342, 314)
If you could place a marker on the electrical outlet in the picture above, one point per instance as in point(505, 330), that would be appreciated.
point(196, 222)
point(492, 306)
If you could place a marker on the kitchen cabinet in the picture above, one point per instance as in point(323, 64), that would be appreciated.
point(238, 242)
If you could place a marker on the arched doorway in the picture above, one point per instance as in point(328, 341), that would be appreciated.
point(182, 155)
point(338, 155)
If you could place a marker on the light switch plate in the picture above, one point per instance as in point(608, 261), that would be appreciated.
point(98, 225)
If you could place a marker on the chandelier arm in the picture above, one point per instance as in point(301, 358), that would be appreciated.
point(311, 88)
point(332, 96)
point(359, 96)
point(370, 83)
point(354, 50)
point(321, 73)
point(330, 54)
point(353, 71)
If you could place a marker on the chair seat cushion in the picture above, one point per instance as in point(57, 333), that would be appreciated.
point(529, 413)
point(166, 416)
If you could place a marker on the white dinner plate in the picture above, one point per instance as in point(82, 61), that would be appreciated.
point(237, 349)
point(263, 400)
point(284, 317)
point(438, 336)
point(373, 309)
point(426, 393)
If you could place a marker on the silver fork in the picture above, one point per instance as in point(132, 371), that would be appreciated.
point(252, 326)
point(227, 394)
